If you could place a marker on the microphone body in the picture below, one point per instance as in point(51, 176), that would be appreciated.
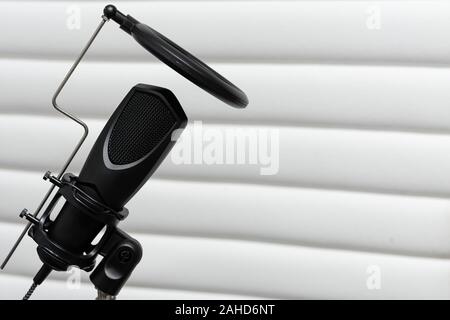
point(131, 146)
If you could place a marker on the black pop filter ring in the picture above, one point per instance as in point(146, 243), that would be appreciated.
point(179, 59)
point(190, 66)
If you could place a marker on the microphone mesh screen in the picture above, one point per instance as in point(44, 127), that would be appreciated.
point(143, 123)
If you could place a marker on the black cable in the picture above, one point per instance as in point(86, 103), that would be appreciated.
point(30, 291)
point(42, 274)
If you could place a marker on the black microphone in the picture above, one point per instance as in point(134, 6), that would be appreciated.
point(131, 146)
point(133, 143)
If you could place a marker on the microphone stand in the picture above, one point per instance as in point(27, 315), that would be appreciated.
point(104, 296)
point(121, 252)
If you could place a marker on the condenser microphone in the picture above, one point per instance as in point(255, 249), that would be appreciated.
point(133, 143)
point(131, 146)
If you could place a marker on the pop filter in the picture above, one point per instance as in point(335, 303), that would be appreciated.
point(179, 59)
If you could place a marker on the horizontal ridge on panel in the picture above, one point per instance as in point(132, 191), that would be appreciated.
point(368, 97)
point(295, 216)
point(386, 32)
point(374, 161)
point(266, 270)
point(63, 289)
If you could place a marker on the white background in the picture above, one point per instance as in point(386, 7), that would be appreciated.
point(360, 92)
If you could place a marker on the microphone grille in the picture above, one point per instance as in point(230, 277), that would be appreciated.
point(143, 123)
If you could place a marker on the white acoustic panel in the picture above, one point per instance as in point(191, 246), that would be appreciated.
point(296, 216)
point(369, 31)
point(396, 162)
point(392, 97)
point(70, 290)
point(268, 270)
point(358, 91)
